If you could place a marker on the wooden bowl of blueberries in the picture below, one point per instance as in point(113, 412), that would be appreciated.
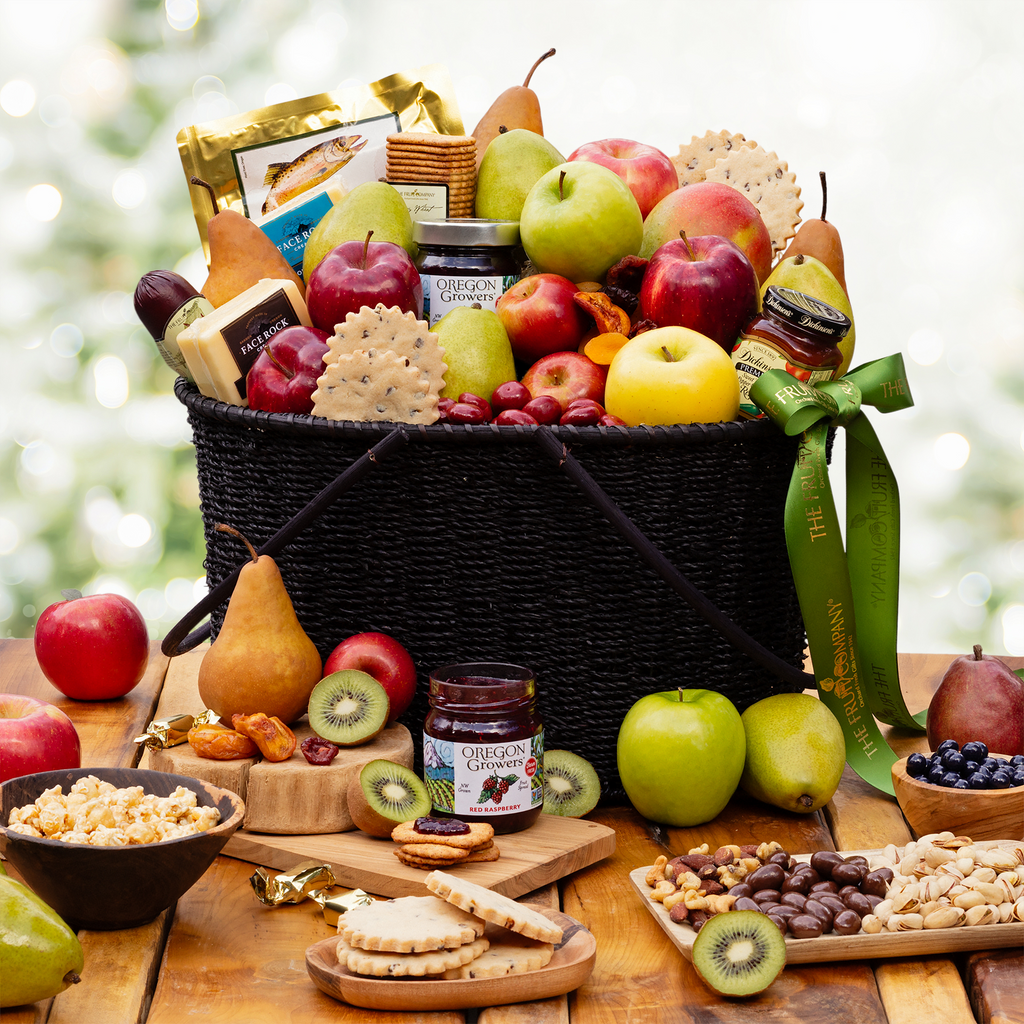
point(966, 790)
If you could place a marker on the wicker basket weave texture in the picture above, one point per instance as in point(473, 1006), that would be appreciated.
point(484, 550)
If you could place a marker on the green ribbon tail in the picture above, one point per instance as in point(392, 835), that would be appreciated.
point(873, 557)
point(825, 593)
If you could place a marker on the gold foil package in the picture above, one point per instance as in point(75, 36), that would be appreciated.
point(308, 880)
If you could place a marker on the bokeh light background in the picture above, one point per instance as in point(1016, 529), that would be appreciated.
point(913, 107)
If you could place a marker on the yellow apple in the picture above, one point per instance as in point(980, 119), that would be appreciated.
point(672, 375)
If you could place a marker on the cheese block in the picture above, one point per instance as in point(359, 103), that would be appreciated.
point(220, 347)
point(290, 225)
point(290, 797)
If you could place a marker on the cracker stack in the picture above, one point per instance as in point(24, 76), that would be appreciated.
point(439, 159)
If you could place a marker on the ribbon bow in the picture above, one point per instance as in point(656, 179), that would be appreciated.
point(848, 599)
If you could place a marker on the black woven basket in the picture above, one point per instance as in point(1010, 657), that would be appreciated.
point(471, 543)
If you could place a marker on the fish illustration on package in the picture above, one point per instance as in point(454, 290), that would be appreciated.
point(316, 165)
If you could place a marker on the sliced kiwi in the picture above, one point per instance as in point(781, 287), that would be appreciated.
point(384, 794)
point(348, 707)
point(739, 953)
point(571, 786)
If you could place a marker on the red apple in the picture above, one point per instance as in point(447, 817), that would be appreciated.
point(565, 376)
point(357, 274)
point(35, 737)
point(284, 376)
point(540, 316)
point(648, 172)
point(704, 283)
point(382, 657)
point(92, 648)
point(710, 208)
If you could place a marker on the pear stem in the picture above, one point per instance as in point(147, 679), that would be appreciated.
point(543, 57)
point(561, 178)
point(689, 248)
point(366, 248)
point(824, 193)
point(977, 652)
point(224, 528)
point(209, 188)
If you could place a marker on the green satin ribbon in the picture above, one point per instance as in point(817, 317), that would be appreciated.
point(848, 598)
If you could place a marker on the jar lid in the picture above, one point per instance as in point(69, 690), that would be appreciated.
point(807, 312)
point(466, 231)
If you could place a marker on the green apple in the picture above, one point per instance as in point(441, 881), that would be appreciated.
point(578, 220)
point(477, 351)
point(511, 166)
point(680, 755)
point(806, 274)
point(372, 206)
point(672, 375)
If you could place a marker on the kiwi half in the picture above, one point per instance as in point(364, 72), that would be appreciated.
point(384, 794)
point(571, 786)
point(740, 953)
point(348, 708)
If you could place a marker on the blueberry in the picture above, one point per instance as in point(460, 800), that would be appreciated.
point(935, 773)
point(1017, 760)
point(917, 765)
point(969, 768)
point(975, 750)
point(1017, 778)
point(953, 761)
point(947, 745)
point(979, 780)
point(991, 763)
point(1000, 780)
point(949, 780)
point(960, 784)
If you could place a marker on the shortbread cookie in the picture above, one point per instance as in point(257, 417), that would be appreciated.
point(768, 183)
point(479, 834)
point(414, 860)
point(484, 853)
point(493, 906)
point(382, 964)
point(508, 953)
point(694, 161)
point(375, 385)
point(409, 924)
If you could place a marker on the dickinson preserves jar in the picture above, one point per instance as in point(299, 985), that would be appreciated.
point(793, 332)
point(483, 745)
point(464, 260)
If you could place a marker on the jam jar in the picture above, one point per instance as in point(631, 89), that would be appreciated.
point(483, 745)
point(793, 332)
point(463, 260)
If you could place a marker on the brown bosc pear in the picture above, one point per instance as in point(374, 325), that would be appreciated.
point(241, 254)
point(516, 107)
point(820, 239)
point(262, 659)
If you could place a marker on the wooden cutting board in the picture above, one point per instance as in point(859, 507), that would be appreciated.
point(550, 849)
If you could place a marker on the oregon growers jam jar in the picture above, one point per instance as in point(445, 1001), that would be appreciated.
point(464, 260)
point(483, 745)
point(793, 332)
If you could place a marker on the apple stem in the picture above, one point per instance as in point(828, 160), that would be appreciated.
point(224, 528)
point(689, 248)
point(668, 355)
point(284, 369)
point(537, 63)
point(561, 178)
point(824, 193)
point(977, 652)
point(366, 247)
point(209, 188)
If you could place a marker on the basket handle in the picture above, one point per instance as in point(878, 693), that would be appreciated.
point(655, 560)
point(177, 642)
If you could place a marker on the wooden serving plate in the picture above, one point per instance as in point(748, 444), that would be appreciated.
point(860, 946)
point(978, 813)
point(570, 966)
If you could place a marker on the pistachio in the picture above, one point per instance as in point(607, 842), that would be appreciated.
point(945, 917)
point(982, 914)
point(969, 899)
point(909, 922)
point(870, 924)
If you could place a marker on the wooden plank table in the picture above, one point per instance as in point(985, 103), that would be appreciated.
point(221, 956)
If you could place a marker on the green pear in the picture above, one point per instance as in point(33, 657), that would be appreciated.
point(39, 954)
point(372, 206)
point(796, 752)
point(476, 349)
point(512, 163)
point(810, 276)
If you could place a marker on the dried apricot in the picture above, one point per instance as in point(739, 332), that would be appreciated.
point(220, 743)
point(274, 739)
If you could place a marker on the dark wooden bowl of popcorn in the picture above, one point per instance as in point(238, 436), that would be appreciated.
point(105, 887)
